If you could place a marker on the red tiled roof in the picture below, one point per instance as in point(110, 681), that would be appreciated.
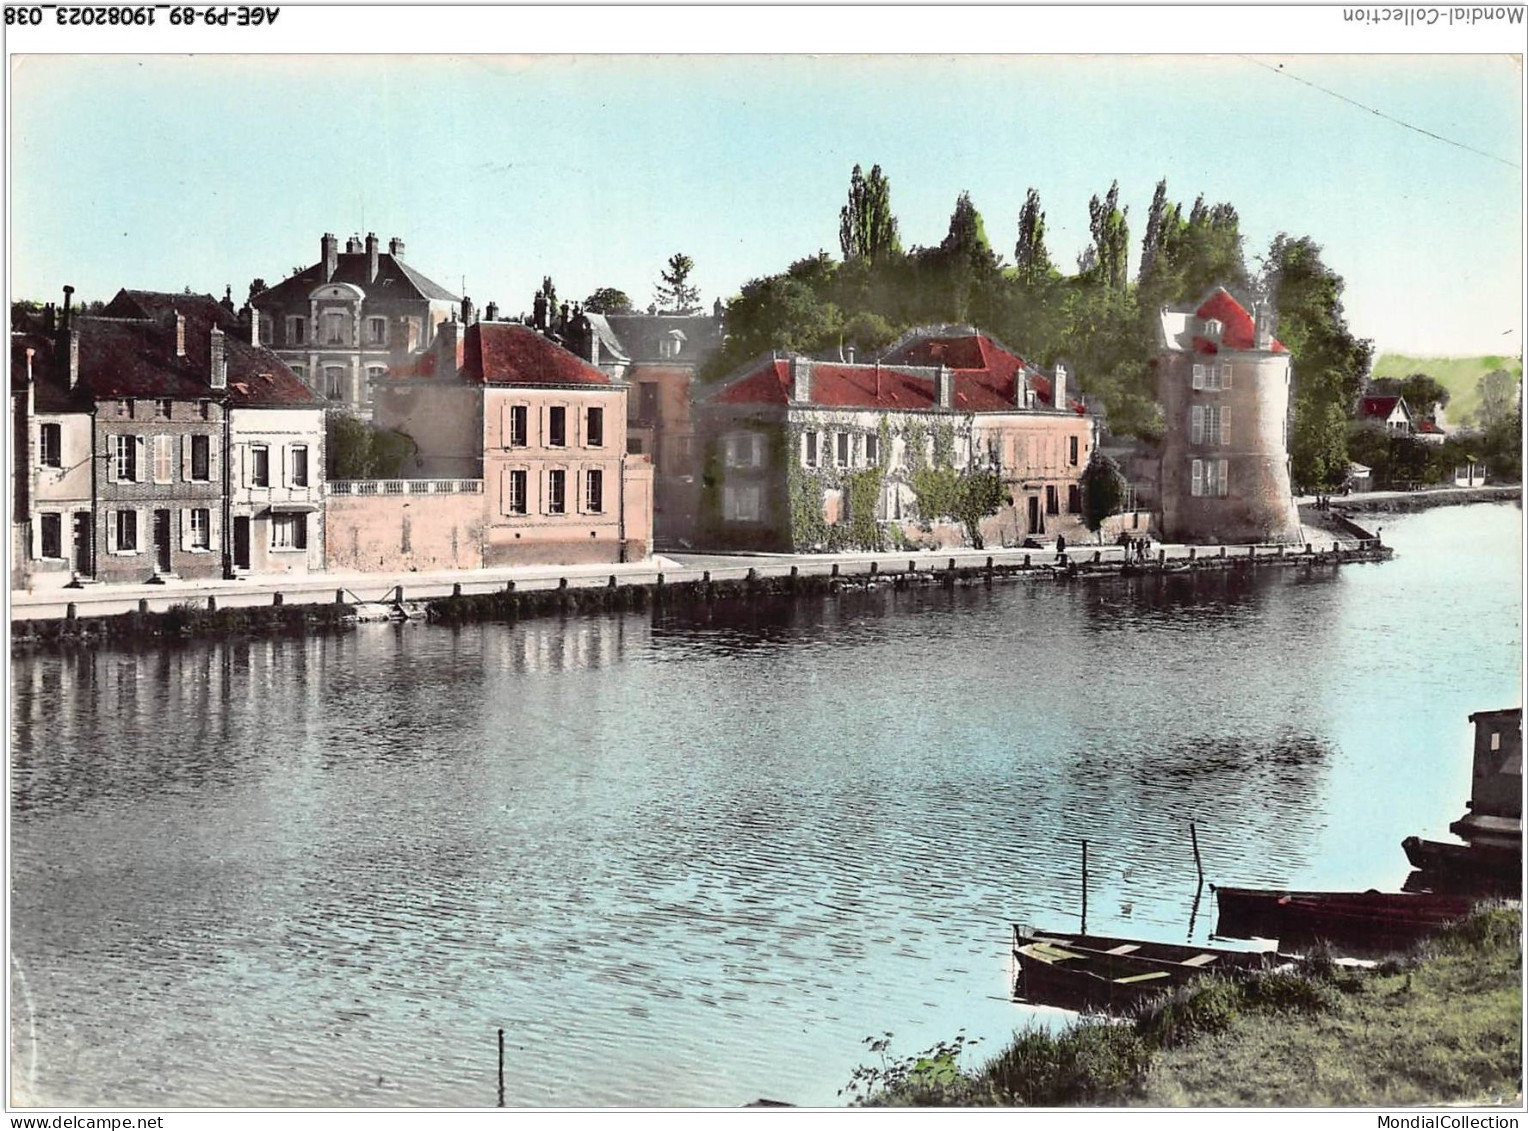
point(986, 377)
point(837, 385)
point(1380, 407)
point(1429, 426)
point(506, 353)
point(1237, 331)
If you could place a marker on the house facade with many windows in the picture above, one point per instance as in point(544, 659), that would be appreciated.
point(542, 429)
point(1223, 381)
point(342, 322)
point(800, 454)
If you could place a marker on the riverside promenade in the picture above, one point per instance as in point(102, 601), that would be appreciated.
point(392, 589)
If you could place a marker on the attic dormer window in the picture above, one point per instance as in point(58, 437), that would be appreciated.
point(670, 346)
point(1212, 327)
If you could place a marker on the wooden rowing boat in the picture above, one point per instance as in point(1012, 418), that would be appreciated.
point(1471, 861)
point(1100, 973)
point(1371, 920)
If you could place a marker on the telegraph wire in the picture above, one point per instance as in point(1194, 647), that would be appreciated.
point(1279, 70)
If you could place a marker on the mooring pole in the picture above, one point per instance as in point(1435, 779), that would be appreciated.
point(1199, 864)
point(1084, 887)
point(501, 1067)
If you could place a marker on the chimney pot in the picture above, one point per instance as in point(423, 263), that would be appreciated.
point(68, 313)
point(849, 350)
point(371, 257)
point(1058, 388)
point(466, 310)
point(180, 334)
point(74, 359)
point(491, 312)
point(329, 249)
point(395, 248)
point(218, 368)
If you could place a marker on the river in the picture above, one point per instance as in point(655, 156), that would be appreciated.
point(696, 858)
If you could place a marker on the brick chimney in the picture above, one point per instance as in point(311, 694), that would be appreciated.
point(180, 334)
point(329, 252)
point(254, 324)
point(68, 314)
point(449, 347)
point(371, 257)
point(74, 357)
point(1058, 388)
point(218, 368)
point(491, 312)
point(395, 248)
point(801, 379)
point(467, 310)
point(849, 353)
point(944, 387)
point(353, 244)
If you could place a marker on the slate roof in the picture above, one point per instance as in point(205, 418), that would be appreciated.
point(400, 280)
point(641, 335)
point(130, 352)
point(52, 395)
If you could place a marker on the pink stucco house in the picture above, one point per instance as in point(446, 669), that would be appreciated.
point(542, 430)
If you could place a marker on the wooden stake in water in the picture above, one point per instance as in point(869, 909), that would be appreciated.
point(1199, 864)
point(1084, 887)
point(501, 1067)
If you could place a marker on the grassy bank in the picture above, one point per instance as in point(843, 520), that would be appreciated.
point(1440, 1025)
point(1459, 375)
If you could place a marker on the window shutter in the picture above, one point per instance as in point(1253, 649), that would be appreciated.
point(244, 465)
point(214, 541)
point(1225, 427)
point(112, 443)
point(1196, 428)
point(1196, 487)
point(212, 461)
point(1220, 485)
point(139, 458)
point(111, 532)
point(1225, 376)
point(282, 457)
point(506, 483)
point(506, 430)
point(1198, 376)
point(185, 459)
point(36, 536)
point(185, 530)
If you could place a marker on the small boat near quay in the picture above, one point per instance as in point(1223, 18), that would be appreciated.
point(1093, 973)
point(1366, 920)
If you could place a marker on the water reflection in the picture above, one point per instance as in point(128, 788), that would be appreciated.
point(729, 839)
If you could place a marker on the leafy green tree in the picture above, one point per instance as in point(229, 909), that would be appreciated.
point(979, 493)
point(674, 294)
point(1420, 390)
point(608, 300)
point(1499, 396)
point(256, 286)
point(1109, 255)
point(866, 227)
point(1031, 260)
point(1103, 491)
point(1329, 362)
point(359, 450)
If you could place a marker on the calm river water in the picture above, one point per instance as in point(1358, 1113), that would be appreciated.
point(694, 860)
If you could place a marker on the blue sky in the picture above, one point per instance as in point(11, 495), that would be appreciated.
point(164, 171)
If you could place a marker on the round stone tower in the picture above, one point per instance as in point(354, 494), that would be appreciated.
point(1224, 383)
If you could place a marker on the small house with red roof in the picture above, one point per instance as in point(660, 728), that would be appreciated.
point(1223, 381)
point(800, 454)
point(542, 434)
point(342, 322)
point(1392, 414)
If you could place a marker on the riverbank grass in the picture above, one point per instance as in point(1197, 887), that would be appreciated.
point(1442, 1024)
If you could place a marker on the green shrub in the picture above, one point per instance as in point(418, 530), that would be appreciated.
point(1089, 1063)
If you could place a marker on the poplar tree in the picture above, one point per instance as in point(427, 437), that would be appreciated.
point(1031, 260)
point(867, 230)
